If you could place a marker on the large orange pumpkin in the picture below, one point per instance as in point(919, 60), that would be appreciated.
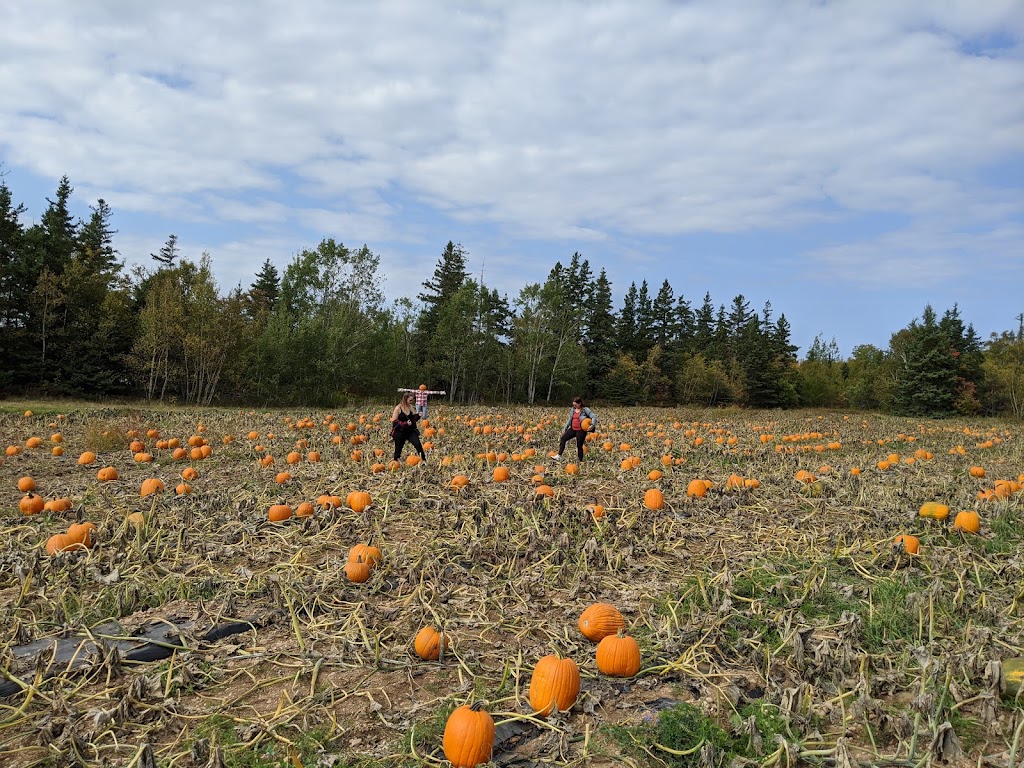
point(555, 683)
point(468, 736)
point(618, 655)
point(600, 620)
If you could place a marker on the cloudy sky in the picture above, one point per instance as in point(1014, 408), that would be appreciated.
point(849, 162)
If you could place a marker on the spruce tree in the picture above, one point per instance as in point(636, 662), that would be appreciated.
point(926, 369)
point(599, 343)
point(449, 277)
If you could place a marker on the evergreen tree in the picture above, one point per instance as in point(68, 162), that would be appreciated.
point(627, 327)
point(58, 229)
point(643, 340)
point(17, 280)
point(265, 290)
point(599, 343)
point(449, 277)
point(95, 243)
point(705, 330)
point(168, 253)
point(926, 381)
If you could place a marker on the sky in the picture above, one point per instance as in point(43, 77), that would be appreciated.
point(849, 162)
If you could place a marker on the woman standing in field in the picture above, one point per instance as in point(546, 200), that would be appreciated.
point(581, 420)
point(403, 426)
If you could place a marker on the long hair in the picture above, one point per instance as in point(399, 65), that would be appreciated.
point(579, 400)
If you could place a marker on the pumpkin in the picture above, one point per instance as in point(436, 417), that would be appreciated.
point(143, 458)
point(59, 542)
point(137, 519)
point(586, 424)
point(57, 451)
point(978, 472)
point(279, 512)
point(358, 570)
point(654, 499)
point(1011, 674)
point(282, 477)
point(459, 482)
point(468, 736)
point(696, 489)
point(423, 387)
point(31, 504)
point(600, 620)
point(618, 655)
point(555, 683)
point(369, 553)
point(412, 460)
point(150, 486)
point(544, 490)
point(87, 458)
point(106, 474)
point(597, 510)
point(429, 642)
point(910, 544)
point(26, 484)
point(83, 533)
point(501, 474)
point(58, 505)
point(654, 475)
point(358, 501)
point(293, 457)
point(967, 521)
point(304, 509)
point(183, 489)
point(934, 510)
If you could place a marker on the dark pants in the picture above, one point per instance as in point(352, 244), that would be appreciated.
point(411, 436)
point(568, 435)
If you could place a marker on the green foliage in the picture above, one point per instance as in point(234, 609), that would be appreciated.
point(71, 323)
point(685, 737)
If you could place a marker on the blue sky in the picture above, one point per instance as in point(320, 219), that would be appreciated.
point(850, 162)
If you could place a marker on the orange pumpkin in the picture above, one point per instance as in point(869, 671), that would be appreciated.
point(468, 736)
point(911, 544)
point(429, 642)
point(654, 499)
point(600, 620)
point(501, 474)
point(967, 521)
point(358, 501)
point(358, 570)
point(555, 683)
point(279, 512)
point(618, 655)
point(150, 486)
point(31, 504)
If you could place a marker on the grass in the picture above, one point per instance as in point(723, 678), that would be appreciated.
point(685, 737)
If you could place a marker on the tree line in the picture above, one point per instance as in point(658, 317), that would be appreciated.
point(75, 322)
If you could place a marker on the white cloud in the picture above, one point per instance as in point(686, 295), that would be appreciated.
point(580, 122)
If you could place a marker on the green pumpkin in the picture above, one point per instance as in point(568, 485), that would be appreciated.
point(1012, 674)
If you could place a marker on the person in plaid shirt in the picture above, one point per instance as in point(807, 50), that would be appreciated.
point(421, 397)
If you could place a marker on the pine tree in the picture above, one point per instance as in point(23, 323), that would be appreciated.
point(926, 369)
point(265, 290)
point(95, 242)
point(627, 327)
point(599, 343)
point(58, 229)
point(168, 253)
point(449, 277)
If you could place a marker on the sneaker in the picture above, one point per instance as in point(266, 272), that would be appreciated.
point(556, 457)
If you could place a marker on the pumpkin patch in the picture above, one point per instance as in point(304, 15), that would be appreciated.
point(727, 539)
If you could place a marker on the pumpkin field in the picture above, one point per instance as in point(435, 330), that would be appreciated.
point(225, 587)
